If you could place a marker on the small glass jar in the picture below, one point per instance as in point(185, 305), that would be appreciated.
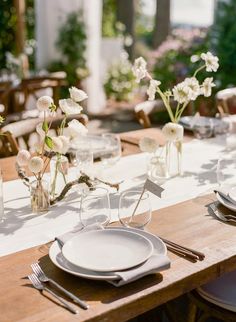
point(59, 166)
point(39, 194)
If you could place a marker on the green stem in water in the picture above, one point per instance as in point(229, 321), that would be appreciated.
point(53, 187)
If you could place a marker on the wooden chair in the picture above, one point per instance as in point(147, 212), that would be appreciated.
point(144, 109)
point(5, 88)
point(17, 135)
point(226, 101)
point(31, 87)
point(216, 299)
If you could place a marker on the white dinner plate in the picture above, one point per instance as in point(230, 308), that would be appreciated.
point(232, 194)
point(107, 250)
point(61, 262)
point(225, 202)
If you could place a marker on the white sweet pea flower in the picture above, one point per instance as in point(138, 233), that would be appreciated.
point(57, 145)
point(69, 107)
point(44, 102)
point(194, 87)
point(207, 86)
point(36, 164)
point(182, 93)
point(23, 158)
point(151, 91)
point(76, 128)
point(211, 61)
point(65, 144)
point(173, 131)
point(139, 69)
point(148, 145)
point(77, 95)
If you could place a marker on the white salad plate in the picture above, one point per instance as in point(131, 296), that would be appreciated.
point(225, 202)
point(107, 250)
point(61, 262)
point(232, 194)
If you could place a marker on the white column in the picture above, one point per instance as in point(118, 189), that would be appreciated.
point(50, 15)
point(94, 86)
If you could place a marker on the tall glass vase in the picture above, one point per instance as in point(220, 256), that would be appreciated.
point(174, 158)
point(59, 166)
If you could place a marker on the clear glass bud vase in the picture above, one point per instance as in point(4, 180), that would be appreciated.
point(59, 166)
point(174, 158)
point(39, 195)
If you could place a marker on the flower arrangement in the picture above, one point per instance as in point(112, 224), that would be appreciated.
point(53, 146)
point(182, 93)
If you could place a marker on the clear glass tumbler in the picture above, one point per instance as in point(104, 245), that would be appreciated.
point(135, 209)
point(95, 207)
point(112, 154)
point(84, 160)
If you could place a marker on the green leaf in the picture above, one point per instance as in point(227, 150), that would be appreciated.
point(45, 126)
point(48, 142)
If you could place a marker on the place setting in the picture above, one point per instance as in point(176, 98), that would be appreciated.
point(225, 207)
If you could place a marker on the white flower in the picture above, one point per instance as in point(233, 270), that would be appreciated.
point(182, 93)
point(69, 107)
point(44, 102)
point(77, 95)
point(76, 128)
point(148, 145)
point(36, 164)
point(194, 87)
point(210, 61)
point(207, 86)
point(23, 158)
point(173, 131)
point(152, 89)
point(57, 145)
point(139, 69)
point(65, 143)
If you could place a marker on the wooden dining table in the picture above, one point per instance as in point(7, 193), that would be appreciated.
point(189, 223)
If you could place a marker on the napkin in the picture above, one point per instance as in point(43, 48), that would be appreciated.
point(155, 264)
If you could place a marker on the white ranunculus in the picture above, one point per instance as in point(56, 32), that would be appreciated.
point(151, 91)
point(194, 87)
point(76, 128)
point(148, 145)
point(182, 93)
point(65, 143)
point(44, 102)
point(77, 95)
point(139, 69)
point(36, 164)
point(57, 145)
point(211, 61)
point(23, 158)
point(207, 86)
point(173, 131)
point(70, 107)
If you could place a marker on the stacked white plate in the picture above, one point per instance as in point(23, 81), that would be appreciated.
point(98, 254)
point(228, 198)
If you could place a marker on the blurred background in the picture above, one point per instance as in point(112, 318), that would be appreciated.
point(91, 44)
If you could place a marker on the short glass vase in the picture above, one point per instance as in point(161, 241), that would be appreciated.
point(39, 195)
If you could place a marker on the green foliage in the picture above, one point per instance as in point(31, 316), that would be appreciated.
point(71, 43)
point(109, 18)
point(120, 80)
point(173, 59)
point(7, 29)
point(223, 37)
